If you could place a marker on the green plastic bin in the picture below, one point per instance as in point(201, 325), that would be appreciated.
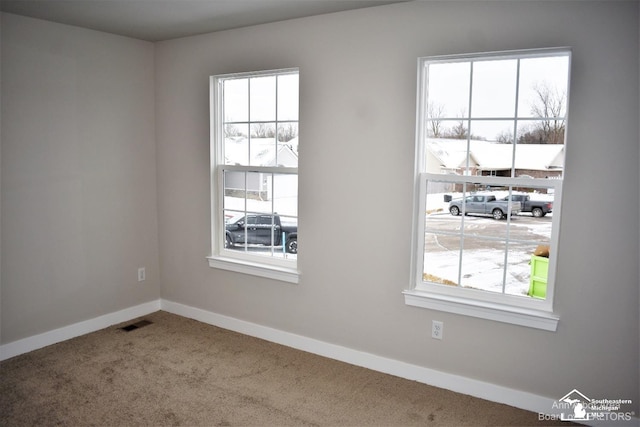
point(538, 280)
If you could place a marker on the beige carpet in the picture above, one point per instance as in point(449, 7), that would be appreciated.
point(177, 371)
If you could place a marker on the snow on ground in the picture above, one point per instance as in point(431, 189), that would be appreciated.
point(484, 268)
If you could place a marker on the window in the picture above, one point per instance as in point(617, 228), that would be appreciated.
point(490, 147)
point(254, 172)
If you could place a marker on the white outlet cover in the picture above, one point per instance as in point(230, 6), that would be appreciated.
point(437, 329)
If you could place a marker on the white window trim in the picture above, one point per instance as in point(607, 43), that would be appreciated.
point(283, 274)
point(484, 310)
point(480, 304)
point(276, 269)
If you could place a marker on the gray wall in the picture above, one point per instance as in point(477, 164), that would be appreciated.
point(79, 212)
point(81, 208)
point(357, 126)
point(0, 182)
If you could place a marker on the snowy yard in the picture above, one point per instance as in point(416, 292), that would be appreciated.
point(483, 259)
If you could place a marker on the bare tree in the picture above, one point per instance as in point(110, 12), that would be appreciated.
point(262, 130)
point(505, 137)
point(231, 131)
point(435, 112)
point(459, 130)
point(549, 105)
point(287, 131)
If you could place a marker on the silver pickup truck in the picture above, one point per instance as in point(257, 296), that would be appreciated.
point(484, 204)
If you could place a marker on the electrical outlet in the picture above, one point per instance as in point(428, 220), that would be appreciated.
point(142, 275)
point(437, 329)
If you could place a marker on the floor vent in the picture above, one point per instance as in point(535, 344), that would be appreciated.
point(136, 325)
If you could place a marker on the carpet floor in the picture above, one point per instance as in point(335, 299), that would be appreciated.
point(177, 371)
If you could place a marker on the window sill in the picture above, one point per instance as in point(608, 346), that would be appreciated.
point(255, 269)
point(483, 310)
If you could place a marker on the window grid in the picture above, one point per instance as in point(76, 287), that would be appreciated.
point(264, 174)
point(467, 181)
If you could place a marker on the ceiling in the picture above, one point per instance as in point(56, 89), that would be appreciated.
point(156, 20)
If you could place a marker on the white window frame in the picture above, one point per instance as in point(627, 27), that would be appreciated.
point(238, 261)
point(506, 308)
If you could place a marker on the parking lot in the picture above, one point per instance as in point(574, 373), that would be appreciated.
point(521, 228)
point(485, 250)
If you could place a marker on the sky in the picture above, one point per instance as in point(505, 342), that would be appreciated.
point(495, 83)
point(271, 97)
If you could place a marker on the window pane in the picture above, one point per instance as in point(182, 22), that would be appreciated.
point(441, 259)
point(285, 194)
point(251, 222)
point(447, 156)
point(288, 134)
point(549, 131)
point(537, 210)
point(236, 144)
point(263, 130)
point(442, 236)
point(234, 191)
point(494, 88)
point(236, 100)
point(448, 93)
point(482, 264)
point(486, 211)
point(438, 196)
point(543, 87)
point(247, 191)
point(263, 98)
point(262, 234)
point(500, 131)
point(288, 97)
point(232, 216)
point(491, 150)
point(485, 238)
point(262, 148)
point(235, 130)
point(477, 225)
point(259, 192)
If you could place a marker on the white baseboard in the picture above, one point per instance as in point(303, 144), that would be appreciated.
point(35, 342)
point(459, 384)
point(488, 391)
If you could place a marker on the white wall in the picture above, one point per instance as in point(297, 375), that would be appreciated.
point(357, 122)
point(79, 212)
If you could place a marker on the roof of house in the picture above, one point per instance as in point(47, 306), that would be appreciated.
point(488, 155)
point(259, 152)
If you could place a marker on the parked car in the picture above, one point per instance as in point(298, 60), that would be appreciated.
point(483, 204)
point(538, 208)
point(261, 229)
